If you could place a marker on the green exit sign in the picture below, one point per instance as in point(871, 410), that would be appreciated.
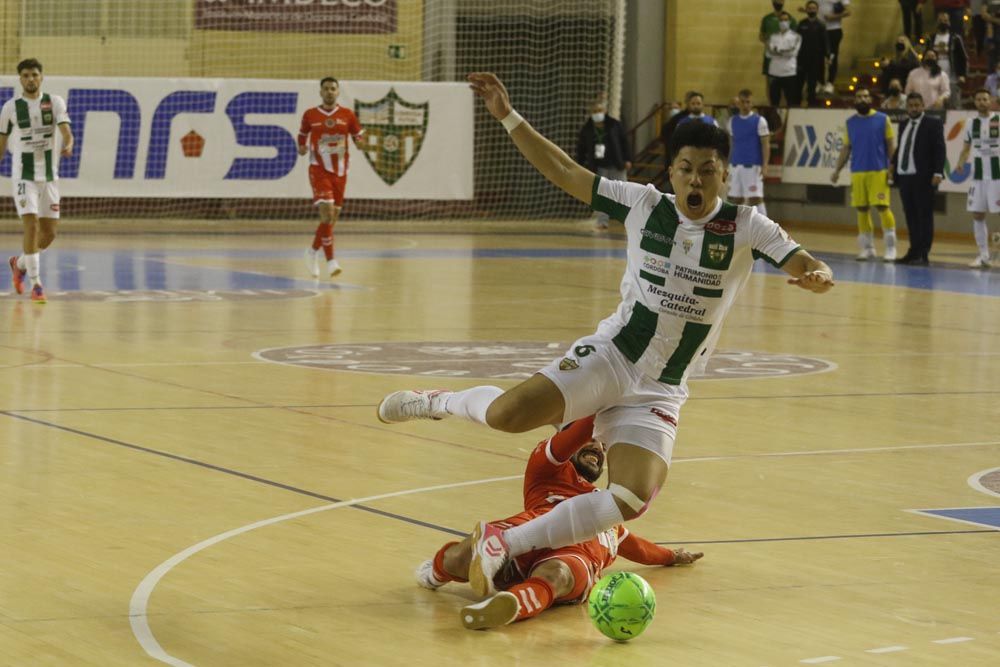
point(397, 51)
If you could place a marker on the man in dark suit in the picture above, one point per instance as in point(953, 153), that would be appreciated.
point(918, 168)
point(602, 146)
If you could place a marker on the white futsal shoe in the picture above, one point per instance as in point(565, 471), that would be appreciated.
point(489, 555)
point(980, 263)
point(404, 406)
point(312, 262)
point(333, 267)
point(425, 576)
point(493, 612)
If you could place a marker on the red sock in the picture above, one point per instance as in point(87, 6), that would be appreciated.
point(439, 572)
point(317, 237)
point(534, 596)
point(326, 237)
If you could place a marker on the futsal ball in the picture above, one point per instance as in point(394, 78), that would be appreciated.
point(622, 605)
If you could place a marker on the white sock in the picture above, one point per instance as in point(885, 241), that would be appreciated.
point(31, 263)
point(761, 208)
point(866, 241)
point(574, 520)
point(889, 236)
point(20, 262)
point(472, 403)
point(982, 233)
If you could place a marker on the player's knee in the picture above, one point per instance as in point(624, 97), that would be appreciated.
point(630, 503)
point(556, 574)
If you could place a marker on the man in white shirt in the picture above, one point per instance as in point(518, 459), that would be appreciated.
point(688, 256)
point(783, 52)
point(29, 122)
point(832, 12)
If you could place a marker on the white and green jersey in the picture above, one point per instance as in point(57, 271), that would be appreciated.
point(983, 135)
point(30, 126)
point(682, 276)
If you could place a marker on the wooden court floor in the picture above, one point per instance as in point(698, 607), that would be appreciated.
point(191, 472)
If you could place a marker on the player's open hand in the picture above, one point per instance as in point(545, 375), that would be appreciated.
point(814, 281)
point(493, 92)
point(67, 150)
point(685, 557)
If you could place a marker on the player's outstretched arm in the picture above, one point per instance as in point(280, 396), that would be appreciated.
point(808, 272)
point(545, 156)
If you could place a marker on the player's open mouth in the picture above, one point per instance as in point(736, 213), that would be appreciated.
point(592, 458)
point(694, 201)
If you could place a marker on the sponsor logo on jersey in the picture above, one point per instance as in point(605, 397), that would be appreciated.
point(664, 416)
point(687, 244)
point(568, 364)
point(707, 278)
point(655, 264)
point(54, 207)
point(721, 227)
point(329, 122)
point(45, 106)
point(395, 129)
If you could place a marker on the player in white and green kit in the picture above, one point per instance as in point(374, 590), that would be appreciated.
point(28, 127)
point(982, 140)
point(688, 257)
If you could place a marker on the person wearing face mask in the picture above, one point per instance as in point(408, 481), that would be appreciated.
point(869, 141)
point(919, 169)
point(913, 18)
point(955, 9)
point(769, 25)
point(603, 147)
point(783, 51)
point(902, 63)
point(894, 99)
point(952, 56)
point(982, 142)
point(928, 80)
point(814, 53)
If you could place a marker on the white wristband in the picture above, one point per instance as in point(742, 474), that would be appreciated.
point(511, 120)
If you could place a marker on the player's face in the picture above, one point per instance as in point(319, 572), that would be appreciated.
point(983, 102)
point(863, 97)
point(589, 461)
point(698, 176)
point(31, 80)
point(329, 91)
point(745, 104)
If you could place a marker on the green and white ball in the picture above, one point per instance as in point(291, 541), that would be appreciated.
point(622, 605)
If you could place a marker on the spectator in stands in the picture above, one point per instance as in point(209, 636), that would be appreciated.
point(977, 8)
point(952, 56)
point(991, 15)
point(993, 81)
point(783, 52)
point(770, 25)
point(899, 67)
point(694, 105)
point(832, 12)
point(955, 9)
point(930, 82)
point(913, 18)
point(894, 99)
point(603, 148)
point(814, 53)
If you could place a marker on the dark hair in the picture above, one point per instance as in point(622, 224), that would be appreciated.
point(691, 94)
point(328, 78)
point(981, 90)
point(784, 14)
point(746, 92)
point(914, 96)
point(699, 135)
point(30, 63)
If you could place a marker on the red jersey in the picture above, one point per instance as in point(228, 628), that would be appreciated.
point(325, 132)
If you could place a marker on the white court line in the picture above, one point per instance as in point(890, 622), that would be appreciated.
point(974, 482)
point(860, 450)
point(887, 649)
point(953, 640)
point(820, 660)
point(138, 617)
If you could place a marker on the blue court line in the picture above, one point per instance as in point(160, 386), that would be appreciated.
point(979, 516)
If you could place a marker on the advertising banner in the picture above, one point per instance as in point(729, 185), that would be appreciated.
point(164, 137)
point(813, 139)
point(367, 17)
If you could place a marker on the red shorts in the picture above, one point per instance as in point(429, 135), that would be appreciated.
point(326, 186)
point(585, 568)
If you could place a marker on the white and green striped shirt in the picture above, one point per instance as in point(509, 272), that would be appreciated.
point(682, 276)
point(983, 135)
point(30, 125)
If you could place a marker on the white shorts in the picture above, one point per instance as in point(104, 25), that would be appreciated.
point(746, 182)
point(39, 198)
point(984, 196)
point(632, 408)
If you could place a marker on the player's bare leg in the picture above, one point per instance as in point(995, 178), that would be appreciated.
point(450, 563)
point(535, 402)
point(29, 261)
